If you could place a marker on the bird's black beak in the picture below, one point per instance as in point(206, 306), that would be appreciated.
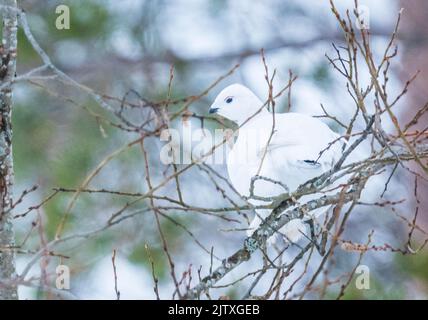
point(213, 110)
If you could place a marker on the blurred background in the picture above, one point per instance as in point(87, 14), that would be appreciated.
point(114, 46)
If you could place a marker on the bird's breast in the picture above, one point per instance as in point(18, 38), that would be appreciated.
point(246, 161)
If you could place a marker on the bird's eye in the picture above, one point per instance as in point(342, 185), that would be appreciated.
point(229, 100)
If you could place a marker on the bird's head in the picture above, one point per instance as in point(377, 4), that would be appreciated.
point(236, 103)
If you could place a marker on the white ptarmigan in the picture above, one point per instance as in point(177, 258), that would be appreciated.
point(290, 156)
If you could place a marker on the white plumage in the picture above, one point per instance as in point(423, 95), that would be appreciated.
point(291, 156)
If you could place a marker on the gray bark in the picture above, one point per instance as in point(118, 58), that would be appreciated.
point(8, 52)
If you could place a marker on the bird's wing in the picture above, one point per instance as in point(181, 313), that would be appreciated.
point(304, 142)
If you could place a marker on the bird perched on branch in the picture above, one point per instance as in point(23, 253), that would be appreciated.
point(274, 153)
